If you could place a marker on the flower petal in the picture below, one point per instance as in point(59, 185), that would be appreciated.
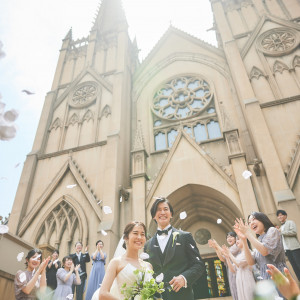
point(182, 215)
point(159, 278)
point(246, 174)
point(107, 209)
point(144, 255)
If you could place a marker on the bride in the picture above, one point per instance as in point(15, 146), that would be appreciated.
point(120, 269)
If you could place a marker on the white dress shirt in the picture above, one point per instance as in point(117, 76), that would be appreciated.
point(163, 239)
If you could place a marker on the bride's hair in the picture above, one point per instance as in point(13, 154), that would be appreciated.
point(129, 227)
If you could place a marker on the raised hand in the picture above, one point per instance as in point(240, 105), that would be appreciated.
point(241, 226)
point(77, 268)
point(225, 251)
point(72, 267)
point(239, 234)
point(286, 285)
point(86, 248)
point(43, 265)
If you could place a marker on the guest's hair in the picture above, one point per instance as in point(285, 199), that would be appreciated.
point(99, 242)
point(64, 260)
point(31, 253)
point(281, 211)
point(78, 243)
point(231, 233)
point(259, 216)
point(154, 206)
point(129, 227)
point(56, 251)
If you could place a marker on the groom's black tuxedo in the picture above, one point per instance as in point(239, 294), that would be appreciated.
point(181, 257)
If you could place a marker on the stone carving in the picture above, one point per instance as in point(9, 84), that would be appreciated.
point(278, 41)
point(84, 95)
point(296, 61)
point(87, 116)
point(256, 73)
point(182, 98)
point(233, 143)
point(74, 119)
point(56, 124)
point(279, 67)
point(202, 236)
point(106, 111)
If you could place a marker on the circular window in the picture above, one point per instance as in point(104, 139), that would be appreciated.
point(182, 98)
point(84, 94)
point(278, 41)
point(202, 236)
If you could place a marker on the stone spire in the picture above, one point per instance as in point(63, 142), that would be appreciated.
point(110, 17)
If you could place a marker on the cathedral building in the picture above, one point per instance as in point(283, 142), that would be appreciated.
point(185, 123)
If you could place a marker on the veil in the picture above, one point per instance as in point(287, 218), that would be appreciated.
point(120, 250)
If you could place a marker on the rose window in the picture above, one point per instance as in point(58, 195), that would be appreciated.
point(182, 98)
point(278, 41)
point(84, 95)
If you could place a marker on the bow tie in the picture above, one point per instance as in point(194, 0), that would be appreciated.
point(161, 232)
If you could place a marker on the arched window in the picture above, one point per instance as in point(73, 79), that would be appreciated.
point(182, 102)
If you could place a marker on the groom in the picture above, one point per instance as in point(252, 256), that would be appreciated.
point(174, 253)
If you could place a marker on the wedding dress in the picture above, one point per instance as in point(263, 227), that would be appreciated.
point(127, 276)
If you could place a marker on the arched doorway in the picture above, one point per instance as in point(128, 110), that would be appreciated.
point(204, 206)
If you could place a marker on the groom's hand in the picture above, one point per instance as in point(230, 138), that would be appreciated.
point(177, 283)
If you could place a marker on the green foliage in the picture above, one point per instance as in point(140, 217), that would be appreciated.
point(145, 286)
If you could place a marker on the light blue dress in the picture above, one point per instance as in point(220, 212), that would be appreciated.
point(96, 276)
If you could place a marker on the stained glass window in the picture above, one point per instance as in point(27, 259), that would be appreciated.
point(220, 278)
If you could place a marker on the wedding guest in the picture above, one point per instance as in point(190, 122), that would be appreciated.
point(65, 279)
point(80, 258)
point(52, 267)
point(290, 241)
point(286, 284)
point(98, 270)
point(234, 249)
point(245, 282)
point(268, 248)
point(28, 282)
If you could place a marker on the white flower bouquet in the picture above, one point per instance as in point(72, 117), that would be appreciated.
point(145, 287)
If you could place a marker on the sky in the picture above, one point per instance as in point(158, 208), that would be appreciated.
point(31, 33)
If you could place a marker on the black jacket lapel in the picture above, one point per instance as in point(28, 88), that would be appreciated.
point(154, 247)
point(170, 248)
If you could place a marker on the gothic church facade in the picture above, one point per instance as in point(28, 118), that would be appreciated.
point(185, 123)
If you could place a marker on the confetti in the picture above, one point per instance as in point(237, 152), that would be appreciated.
point(144, 256)
point(159, 278)
point(219, 221)
point(20, 256)
point(70, 186)
point(107, 210)
point(36, 258)
point(103, 232)
point(22, 277)
point(3, 229)
point(70, 296)
point(246, 174)
point(182, 215)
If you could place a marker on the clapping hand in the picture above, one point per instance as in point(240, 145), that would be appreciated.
point(86, 248)
point(212, 243)
point(72, 267)
point(286, 285)
point(241, 228)
point(77, 267)
point(43, 265)
point(225, 251)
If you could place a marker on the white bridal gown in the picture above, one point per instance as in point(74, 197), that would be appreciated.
point(124, 276)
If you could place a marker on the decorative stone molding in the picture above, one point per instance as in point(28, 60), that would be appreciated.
point(84, 94)
point(57, 123)
point(232, 141)
point(202, 236)
point(296, 62)
point(74, 119)
point(87, 116)
point(279, 67)
point(105, 112)
point(256, 73)
point(278, 41)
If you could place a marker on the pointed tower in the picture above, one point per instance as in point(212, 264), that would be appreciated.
point(81, 154)
point(260, 40)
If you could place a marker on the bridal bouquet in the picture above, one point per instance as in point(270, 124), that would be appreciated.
point(145, 286)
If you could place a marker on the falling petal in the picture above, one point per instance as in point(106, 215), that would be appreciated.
point(20, 256)
point(3, 229)
point(198, 258)
point(36, 258)
point(219, 221)
point(70, 186)
point(192, 246)
point(144, 256)
point(159, 278)
point(121, 199)
point(265, 289)
point(107, 210)
point(99, 202)
point(182, 215)
point(246, 174)
point(70, 296)
point(22, 277)
point(103, 232)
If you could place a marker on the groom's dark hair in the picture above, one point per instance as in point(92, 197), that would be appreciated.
point(156, 203)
